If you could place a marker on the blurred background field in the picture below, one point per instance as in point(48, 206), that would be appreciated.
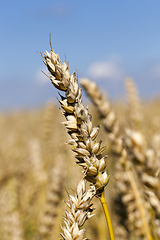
point(32, 144)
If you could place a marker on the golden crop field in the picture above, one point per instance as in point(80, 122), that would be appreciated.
point(38, 170)
point(32, 145)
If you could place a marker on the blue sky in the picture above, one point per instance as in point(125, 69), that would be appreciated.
point(103, 40)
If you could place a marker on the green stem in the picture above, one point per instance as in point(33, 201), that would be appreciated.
point(106, 212)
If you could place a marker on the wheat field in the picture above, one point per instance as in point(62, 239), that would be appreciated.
point(32, 147)
point(39, 173)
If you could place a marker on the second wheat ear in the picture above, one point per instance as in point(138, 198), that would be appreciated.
point(89, 153)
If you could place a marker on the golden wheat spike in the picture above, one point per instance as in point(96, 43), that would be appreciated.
point(89, 153)
point(10, 221)
point(134, 104)
point(53, 198)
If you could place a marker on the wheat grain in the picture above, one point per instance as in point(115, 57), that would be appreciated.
point(78, 122)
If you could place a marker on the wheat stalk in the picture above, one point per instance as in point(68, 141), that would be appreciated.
point(79, 124)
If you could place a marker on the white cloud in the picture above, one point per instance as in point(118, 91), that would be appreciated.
point(106, 70)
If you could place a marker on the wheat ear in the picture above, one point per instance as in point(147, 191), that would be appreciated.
point(40, 176)
point(107, 116)
point(134, 105)
point(79, 124)
point(10, 221)
point(78, 210)
point(147, 165)
point(48, 120)
point(53, 198)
